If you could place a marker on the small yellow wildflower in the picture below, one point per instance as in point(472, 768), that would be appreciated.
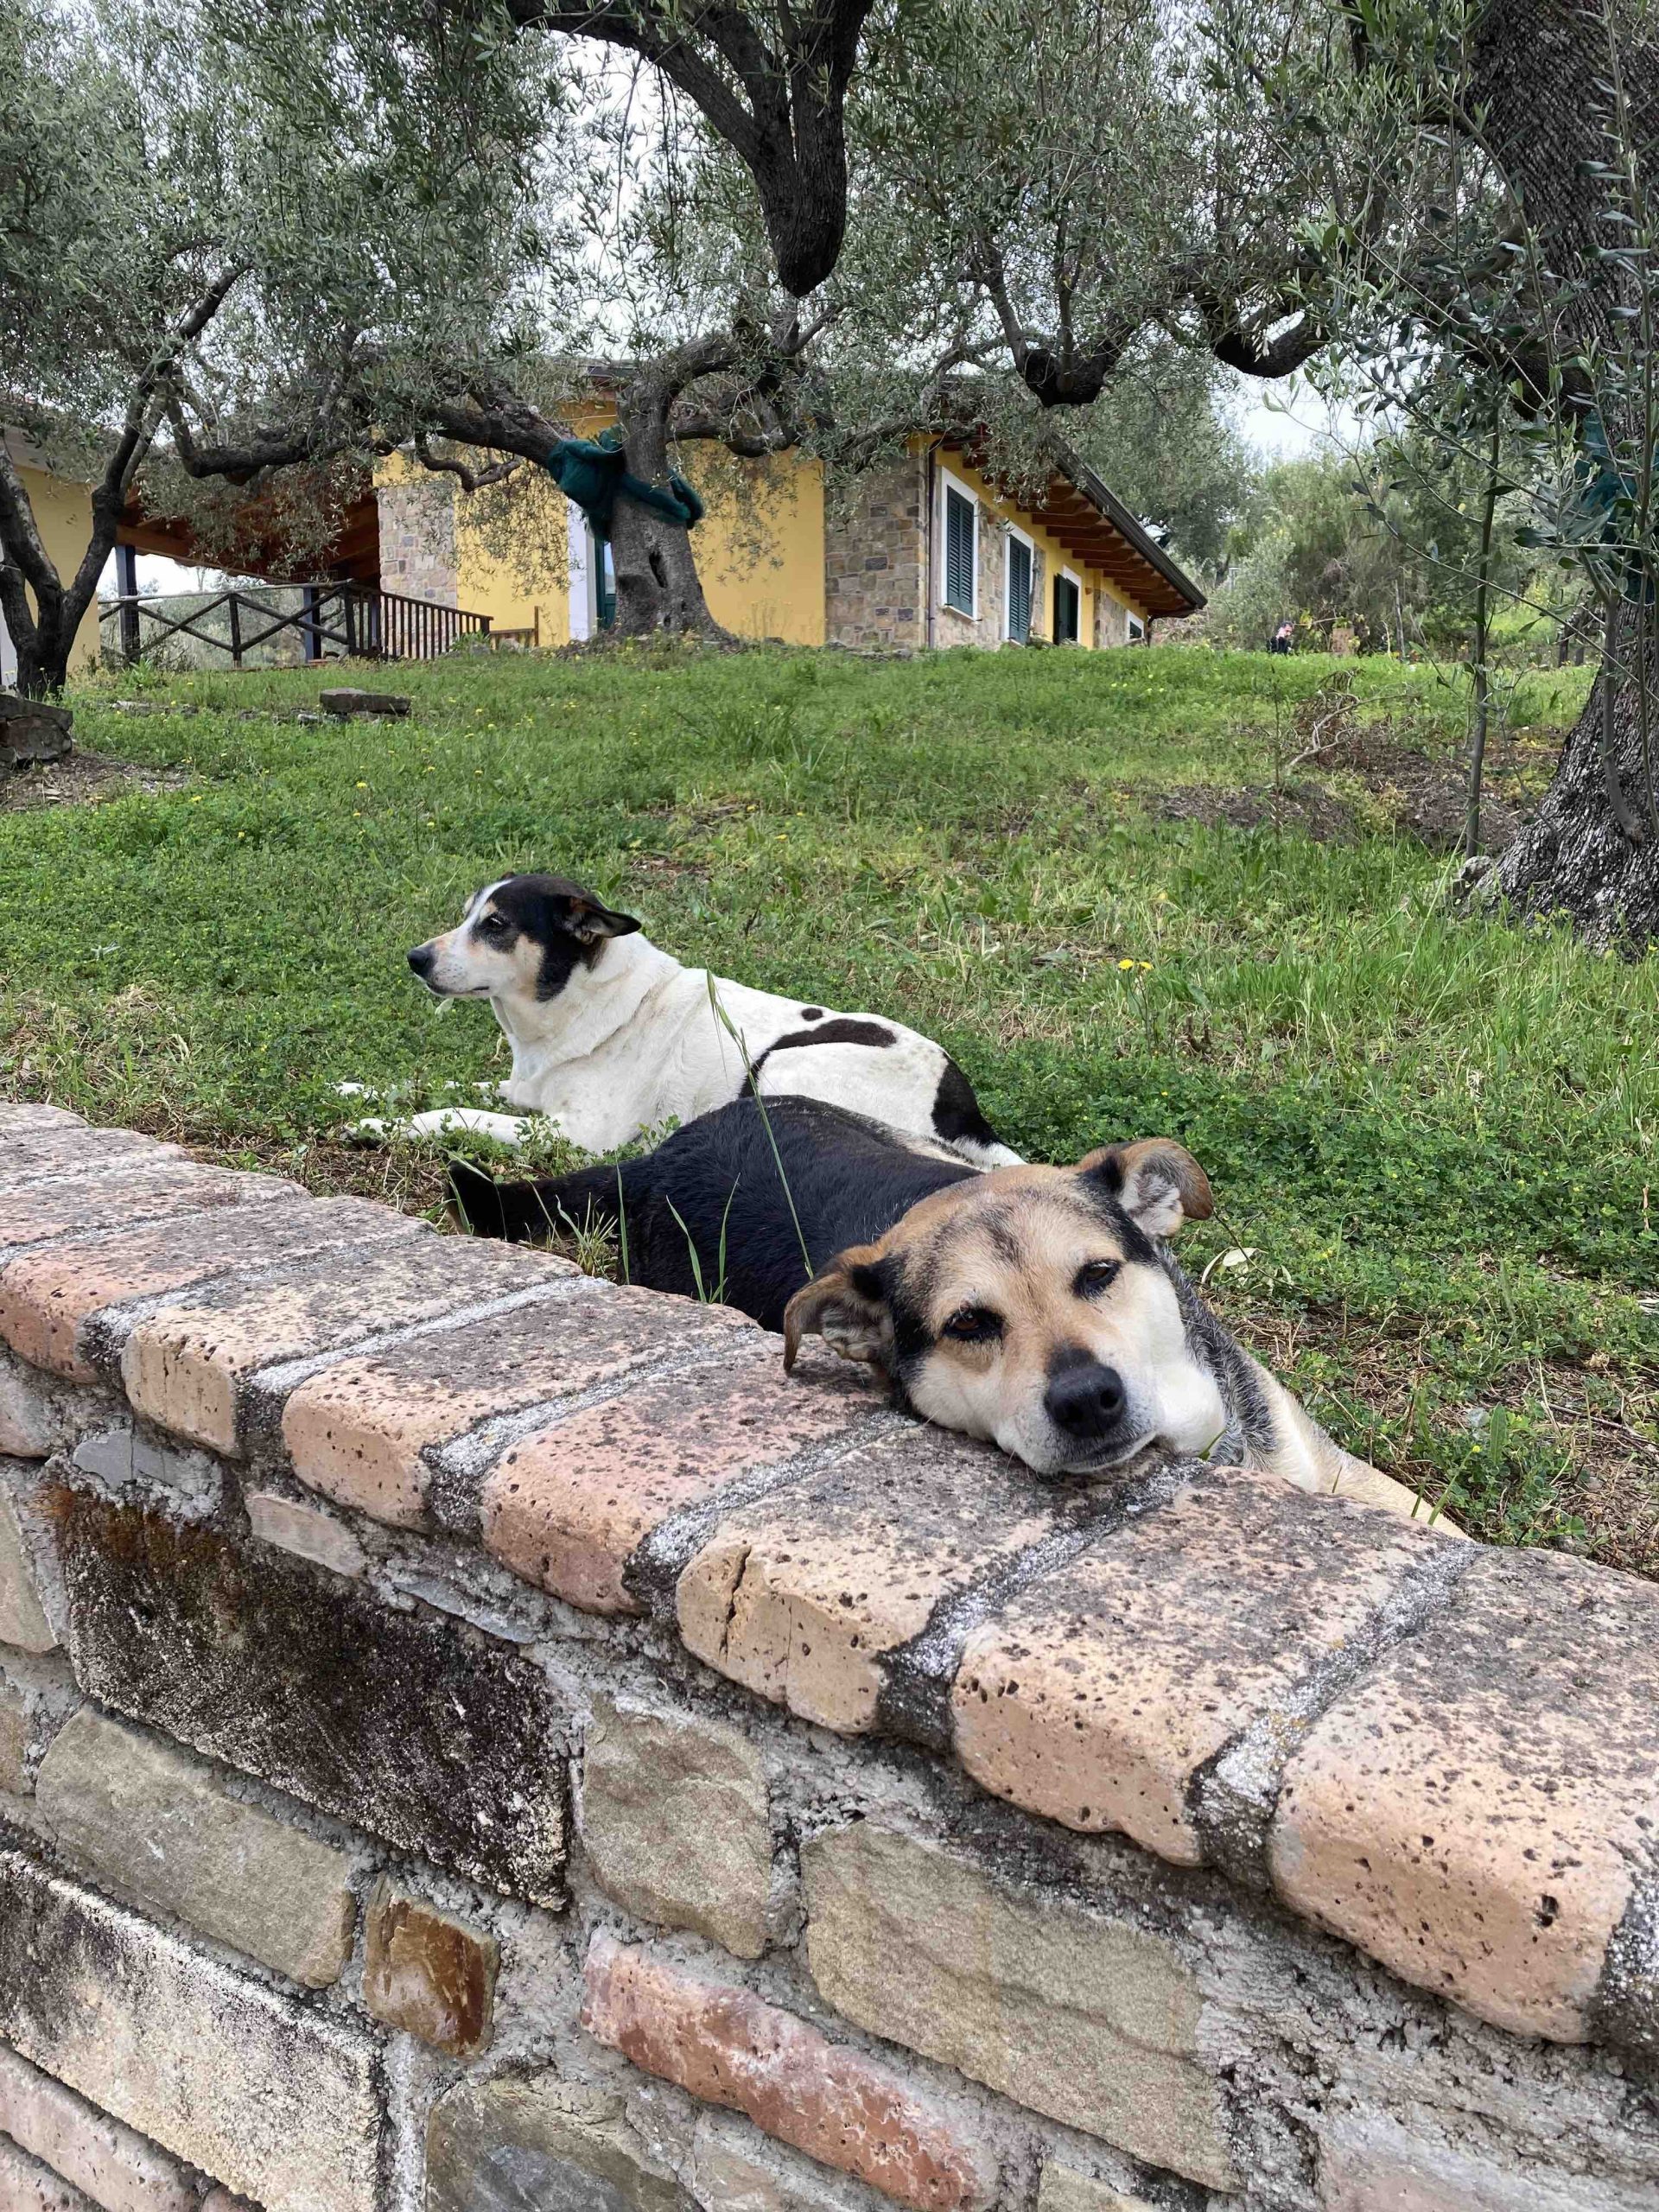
point(1126, 964)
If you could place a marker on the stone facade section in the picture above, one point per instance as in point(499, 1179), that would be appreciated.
point(429, 1974)
point(1062, 2189)
point(28, 2186)
point(278, 2102)
point(158, 1828)
point(418, 553)
point(874, 561)
point(729, 2047)
point(677, 1826)
point(442, 1743)
point(1091, 2021)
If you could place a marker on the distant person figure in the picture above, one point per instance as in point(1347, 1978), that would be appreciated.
point(1279, 641)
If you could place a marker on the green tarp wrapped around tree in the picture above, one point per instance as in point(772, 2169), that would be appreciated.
point(590, 471)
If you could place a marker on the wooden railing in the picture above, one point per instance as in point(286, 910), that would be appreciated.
point(354, 620)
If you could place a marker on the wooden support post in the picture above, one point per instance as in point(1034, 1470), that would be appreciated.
point(235, 605)
point(126, 585)
point(313, 643)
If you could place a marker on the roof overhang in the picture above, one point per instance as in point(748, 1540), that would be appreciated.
point(1098, 530)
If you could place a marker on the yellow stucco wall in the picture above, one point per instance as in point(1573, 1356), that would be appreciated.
point(63, 515)
point(760, 547)
point(1091, 583)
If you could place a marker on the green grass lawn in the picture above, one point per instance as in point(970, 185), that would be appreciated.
point(1433, 1137)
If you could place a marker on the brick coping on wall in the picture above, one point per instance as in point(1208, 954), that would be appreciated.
point(1447, 1755)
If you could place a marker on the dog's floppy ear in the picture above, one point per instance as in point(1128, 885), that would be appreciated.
point(1156, 1181)
point(586, 919)
point(847, 1305)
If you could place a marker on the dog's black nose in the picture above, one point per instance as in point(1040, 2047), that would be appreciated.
point(420, 961)
point(1083, 1398)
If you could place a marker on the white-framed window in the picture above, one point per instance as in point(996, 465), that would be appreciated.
point(1017, 609)
point(959, 532)
point(1137, 630)
point(1068, 607)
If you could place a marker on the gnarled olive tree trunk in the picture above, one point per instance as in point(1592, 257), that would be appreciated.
point(1538, 83)
point(658, 587)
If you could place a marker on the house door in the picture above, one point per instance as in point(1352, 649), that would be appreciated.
point(1068, 601)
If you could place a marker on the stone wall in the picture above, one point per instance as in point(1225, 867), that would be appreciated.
point(874, 561)
point(418, 552)
point(476, 1739)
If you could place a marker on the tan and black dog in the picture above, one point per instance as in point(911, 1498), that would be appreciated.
point(1038, 1307)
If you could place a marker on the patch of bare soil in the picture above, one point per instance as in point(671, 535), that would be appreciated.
point(1304, 807)
point(81, 779)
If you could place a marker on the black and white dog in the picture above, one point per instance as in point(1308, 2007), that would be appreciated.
point(1038, 1307)
point(611, 1036)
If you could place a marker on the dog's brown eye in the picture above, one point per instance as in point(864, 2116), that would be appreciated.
point(973, 1325)
point(492, 925)
point(1094, 1276)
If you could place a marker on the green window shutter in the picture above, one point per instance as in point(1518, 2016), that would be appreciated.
point(1019, 590)
point(959, 521)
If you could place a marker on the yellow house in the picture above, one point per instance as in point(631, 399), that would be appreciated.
point(63, 515)
point(928, 551)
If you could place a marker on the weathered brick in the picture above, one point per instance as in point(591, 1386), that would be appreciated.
point(358, 1432)
point(429, 1974)
point(117, 2170)
point(798, 1595)
point(446, 1743)
point(187, 1366)
point(538, 2143)
point(568, 1506)
point(122, 1199)
point(71, 1147)
point(22, 1616)
point(157, 1828)
point(730, 2048)
point(1097, 1695)
point(279, 2101)
point(1091, 2021)
point(306, 1531)
point(46, 1297)
point(1472, 1812)
point(1062, 2189)
point(28, 2186)
point(675, 1823)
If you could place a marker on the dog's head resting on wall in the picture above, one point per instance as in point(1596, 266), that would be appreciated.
point(1033, 1307)
point(520, 942)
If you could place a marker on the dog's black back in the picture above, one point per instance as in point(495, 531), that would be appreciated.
point(717, 1184)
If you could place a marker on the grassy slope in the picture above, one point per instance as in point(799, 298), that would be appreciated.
point(1435, 1137)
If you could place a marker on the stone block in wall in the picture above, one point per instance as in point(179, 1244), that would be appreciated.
point(280, 2103)
point(1088, 2021)
point(190, 1366)
point(306, 1531)
point(734, 2170)
point(569, 1506)
point(22, 1618)
point(730, 2048)
point(1474, 1811)
point(675, 1823)
point(28, 2186)
point(157, 1828)
point(532, 2142)
point(1062, 2189)
point(442, 1740)
point(1369, 2163)
point(13, 1738)
point(49, 1297)
point(119, 2170)
point(361, 1431)
point(428, 1973)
